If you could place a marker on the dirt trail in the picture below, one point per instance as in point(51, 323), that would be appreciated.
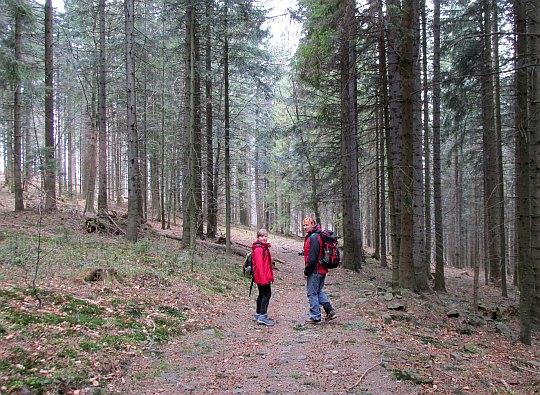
point(237, 356)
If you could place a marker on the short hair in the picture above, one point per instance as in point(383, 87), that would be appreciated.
point(308, 221)
point(262, 232)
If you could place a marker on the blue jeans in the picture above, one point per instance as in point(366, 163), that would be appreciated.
point(316, 296)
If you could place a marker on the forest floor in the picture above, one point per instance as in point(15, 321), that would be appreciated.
point(380, 343)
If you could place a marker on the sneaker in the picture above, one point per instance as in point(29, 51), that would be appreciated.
point(255, 317)
point(263, 319)
point(312, 320)
point(331, 315)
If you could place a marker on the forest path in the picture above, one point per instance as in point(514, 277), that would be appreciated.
point(235, 355)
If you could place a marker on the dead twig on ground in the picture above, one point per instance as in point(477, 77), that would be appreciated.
point(364, 375)
point(111, 220)
point(521, 368)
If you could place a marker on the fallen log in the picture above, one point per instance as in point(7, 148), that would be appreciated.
point(236, 248)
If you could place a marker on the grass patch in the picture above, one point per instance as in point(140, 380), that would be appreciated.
point(471, 349)
point(356, 324)
point(78, 329)
point(430, 340)
point(172, 311)
point(410, 375)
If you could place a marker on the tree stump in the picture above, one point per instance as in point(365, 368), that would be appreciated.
point(93, 274)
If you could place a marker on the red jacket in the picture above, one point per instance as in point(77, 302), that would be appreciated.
point(313, 252)
point(262, 263)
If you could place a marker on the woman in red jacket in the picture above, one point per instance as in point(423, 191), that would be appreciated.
point(263, 275)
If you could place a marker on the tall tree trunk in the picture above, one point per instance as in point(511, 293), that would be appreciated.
point(523, 219)
point(437, 194)
point(197, 124)
point(29, 157)
point(458, 204)
point(227, 131)
point(259, 190)
point(17, 129)
point(102, 99)
point(490, 154)
point(144, 138)
point(406, 65)
point(475, 256)
point(71, 187)
point(377, 206)
point(49, 165)
point(118, 170)
point(90, 153)
point(190, 209)
point(382, 198)
point(534, 154)
point(419, 247)
point(8, 136)
point(385, 138)
point(352, 239)
point(393, 147)
point(155, 148)
point(162, 179)
point(211, 198)
point(158, 198)
point(498, 136)
point(58, 127)
point(243, 195)
point(427, 150)
point(133, 149)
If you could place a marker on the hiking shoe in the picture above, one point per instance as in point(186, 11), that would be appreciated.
point(263, 319)
point(311, 320)
point(331, 315)
point(255, 317)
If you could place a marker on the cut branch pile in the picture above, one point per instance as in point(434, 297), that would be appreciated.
point(105, 222)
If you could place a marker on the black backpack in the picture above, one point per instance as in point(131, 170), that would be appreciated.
point(247, 269)
point(331, 257)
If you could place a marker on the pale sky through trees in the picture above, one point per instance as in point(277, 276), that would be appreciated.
point(58, 5)
point(285, 32)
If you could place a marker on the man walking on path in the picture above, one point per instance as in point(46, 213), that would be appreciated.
point(315, 273)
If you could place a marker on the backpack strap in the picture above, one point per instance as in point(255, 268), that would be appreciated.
point(251, 286)
point(321, 244)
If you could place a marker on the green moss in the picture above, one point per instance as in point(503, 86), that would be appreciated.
point(81, 307)
point(75, 328)
point(410, 375)
point(89, 345)
point(173, 312)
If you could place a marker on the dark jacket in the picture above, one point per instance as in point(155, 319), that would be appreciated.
point(313, 252)
point(262, 263)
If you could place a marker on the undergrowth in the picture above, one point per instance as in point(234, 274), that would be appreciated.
point(79, 333)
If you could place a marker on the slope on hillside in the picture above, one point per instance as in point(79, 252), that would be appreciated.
point(174, 322)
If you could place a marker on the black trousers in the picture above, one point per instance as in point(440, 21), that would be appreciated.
point(265, 292)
